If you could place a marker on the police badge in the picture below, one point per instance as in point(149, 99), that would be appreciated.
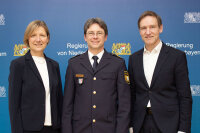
point(80, 78)
point(80, 81)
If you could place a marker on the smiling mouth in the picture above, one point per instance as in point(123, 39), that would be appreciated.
point(149, 37)
point(38, 45)
point(95, 42)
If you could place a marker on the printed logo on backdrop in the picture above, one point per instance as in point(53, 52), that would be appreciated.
point(192, 17)
point(2, 19)
point(121, 49)
point(195, 89)
point(3, 54)
point(20, 49)
point(188, 48)
point(73, 49)
point(2, 91)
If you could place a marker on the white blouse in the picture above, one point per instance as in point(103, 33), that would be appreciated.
point(42, 68)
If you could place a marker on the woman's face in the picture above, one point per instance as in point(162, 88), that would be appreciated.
point(38, 41)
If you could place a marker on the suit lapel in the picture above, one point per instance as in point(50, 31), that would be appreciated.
point(85, 62)
point(161, 59)
point(50, 72)
point(33, 66)
point(104, 61)
point(141, 67)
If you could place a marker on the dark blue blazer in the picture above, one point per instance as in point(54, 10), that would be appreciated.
point(102, 95)
point(27, 95)
point(169, 93)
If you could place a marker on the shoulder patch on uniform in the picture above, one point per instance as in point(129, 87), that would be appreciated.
point(126, 76)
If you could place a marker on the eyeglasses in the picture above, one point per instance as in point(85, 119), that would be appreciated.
point(92, 34)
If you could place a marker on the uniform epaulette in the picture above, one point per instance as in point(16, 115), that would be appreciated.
point(116, 55)
point(75, 56)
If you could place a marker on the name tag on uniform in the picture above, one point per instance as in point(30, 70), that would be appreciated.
point(79, 75)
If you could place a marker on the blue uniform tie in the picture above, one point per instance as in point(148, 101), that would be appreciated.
point(95, 64)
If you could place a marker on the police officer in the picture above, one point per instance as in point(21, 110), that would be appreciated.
point(97, 93)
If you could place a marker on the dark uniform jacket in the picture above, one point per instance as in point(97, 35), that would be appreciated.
point(99, 101)
point(27, 95)
point(169, 93)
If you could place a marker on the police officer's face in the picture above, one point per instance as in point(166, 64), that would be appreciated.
point(149, 30)
point(95, 37)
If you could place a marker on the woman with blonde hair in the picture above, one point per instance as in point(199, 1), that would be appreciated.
point(35, 89)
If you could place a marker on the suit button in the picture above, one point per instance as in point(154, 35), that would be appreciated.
point(94, 92)
point(94, 78)
point(93, 120)
point(94, 106)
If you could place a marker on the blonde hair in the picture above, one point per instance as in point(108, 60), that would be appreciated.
point(33, 26)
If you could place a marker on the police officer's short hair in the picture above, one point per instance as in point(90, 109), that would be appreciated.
point(98, 21)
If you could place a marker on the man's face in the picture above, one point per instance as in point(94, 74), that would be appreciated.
point(149, 30)
point(95, 37)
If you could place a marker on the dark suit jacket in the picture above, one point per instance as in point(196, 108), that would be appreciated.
point(27, 95)
point(109, 92)
point(169, 93)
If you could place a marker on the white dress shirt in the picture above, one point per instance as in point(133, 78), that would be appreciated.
point(149, 62)
point(42, 68)
point(99, 55)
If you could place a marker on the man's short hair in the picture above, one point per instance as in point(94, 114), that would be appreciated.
point(150, 13)
point(98, 21)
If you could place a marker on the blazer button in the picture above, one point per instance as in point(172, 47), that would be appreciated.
point(94, 106)
point(94, 78)
point(94, 92)
point(93, 120)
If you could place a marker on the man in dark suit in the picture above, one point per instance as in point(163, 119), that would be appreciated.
point(160, 88)
point(97, 94)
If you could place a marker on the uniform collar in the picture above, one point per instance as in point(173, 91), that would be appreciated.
point(99, 55)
